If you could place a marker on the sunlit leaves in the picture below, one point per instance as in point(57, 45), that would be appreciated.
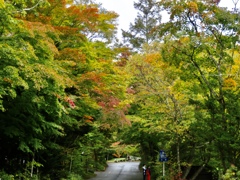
point(161, 93)
point(193, 8)
point(12, 79)
point(32, 88)
point(58, 88)
point(2, 5)
point(106, 22)
point(203, 45)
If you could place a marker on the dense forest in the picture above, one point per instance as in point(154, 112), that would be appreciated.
point(73, 95)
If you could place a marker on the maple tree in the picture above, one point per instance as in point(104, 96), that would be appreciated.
point(65, 89)
point(159, 103)
point(60, 88)
point(203, 44)
point(199, 52)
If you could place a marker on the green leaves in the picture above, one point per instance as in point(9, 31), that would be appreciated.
point(143, 30)
point(201, 50)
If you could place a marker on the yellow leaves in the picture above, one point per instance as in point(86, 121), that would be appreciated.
point(233, 80)
point(146, 63)
point(207, 14)
point(40, 32)
point(2, 4)
point(105, 21)
point(229, 83)
point(152, 58)
point(193, 7)
point(184, 40)
point(179, 8)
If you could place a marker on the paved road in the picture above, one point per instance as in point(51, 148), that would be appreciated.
point(120, 171)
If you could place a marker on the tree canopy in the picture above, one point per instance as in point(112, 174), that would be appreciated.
point(61, 93)
point(70, 97)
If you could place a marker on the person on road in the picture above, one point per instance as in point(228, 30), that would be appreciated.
point(148, 173)
point(144, 171)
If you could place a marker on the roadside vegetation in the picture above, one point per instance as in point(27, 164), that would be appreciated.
point(74, 97)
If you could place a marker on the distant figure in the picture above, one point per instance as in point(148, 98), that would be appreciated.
point(148, 173)
point(144, 171)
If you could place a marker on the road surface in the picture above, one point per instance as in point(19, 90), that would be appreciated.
point(120, 171)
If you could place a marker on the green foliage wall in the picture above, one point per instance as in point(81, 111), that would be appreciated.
point(58, 99)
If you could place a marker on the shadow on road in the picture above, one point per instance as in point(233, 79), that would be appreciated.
point(120, 171)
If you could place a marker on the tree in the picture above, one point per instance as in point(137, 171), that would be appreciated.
point(160, 113)
point(59, 88)
point(31, 99)
point(202, 39)
point(143, 30)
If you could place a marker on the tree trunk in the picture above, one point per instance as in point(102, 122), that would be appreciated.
point(32, 165)
point(186, 172)
point(188, 169)
point(195, 175)
point(178, 157)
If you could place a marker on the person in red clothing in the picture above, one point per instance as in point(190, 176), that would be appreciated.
point(148, 173)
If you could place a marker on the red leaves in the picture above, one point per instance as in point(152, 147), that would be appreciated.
point(130, 91)
point(109, 103)
point(70, 102)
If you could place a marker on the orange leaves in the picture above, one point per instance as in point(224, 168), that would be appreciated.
point(116, 144)
point(93, 82)
point(75, 55)
point(40, 18)
point(37, 26)
point(66, 29)
point(80, 20)
point(62, 2)
point(229, 83)
point(83, 17)
point(93, 76)
point(40, 31)
point(7, 80)
point(90, 20)
point(88, 119)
